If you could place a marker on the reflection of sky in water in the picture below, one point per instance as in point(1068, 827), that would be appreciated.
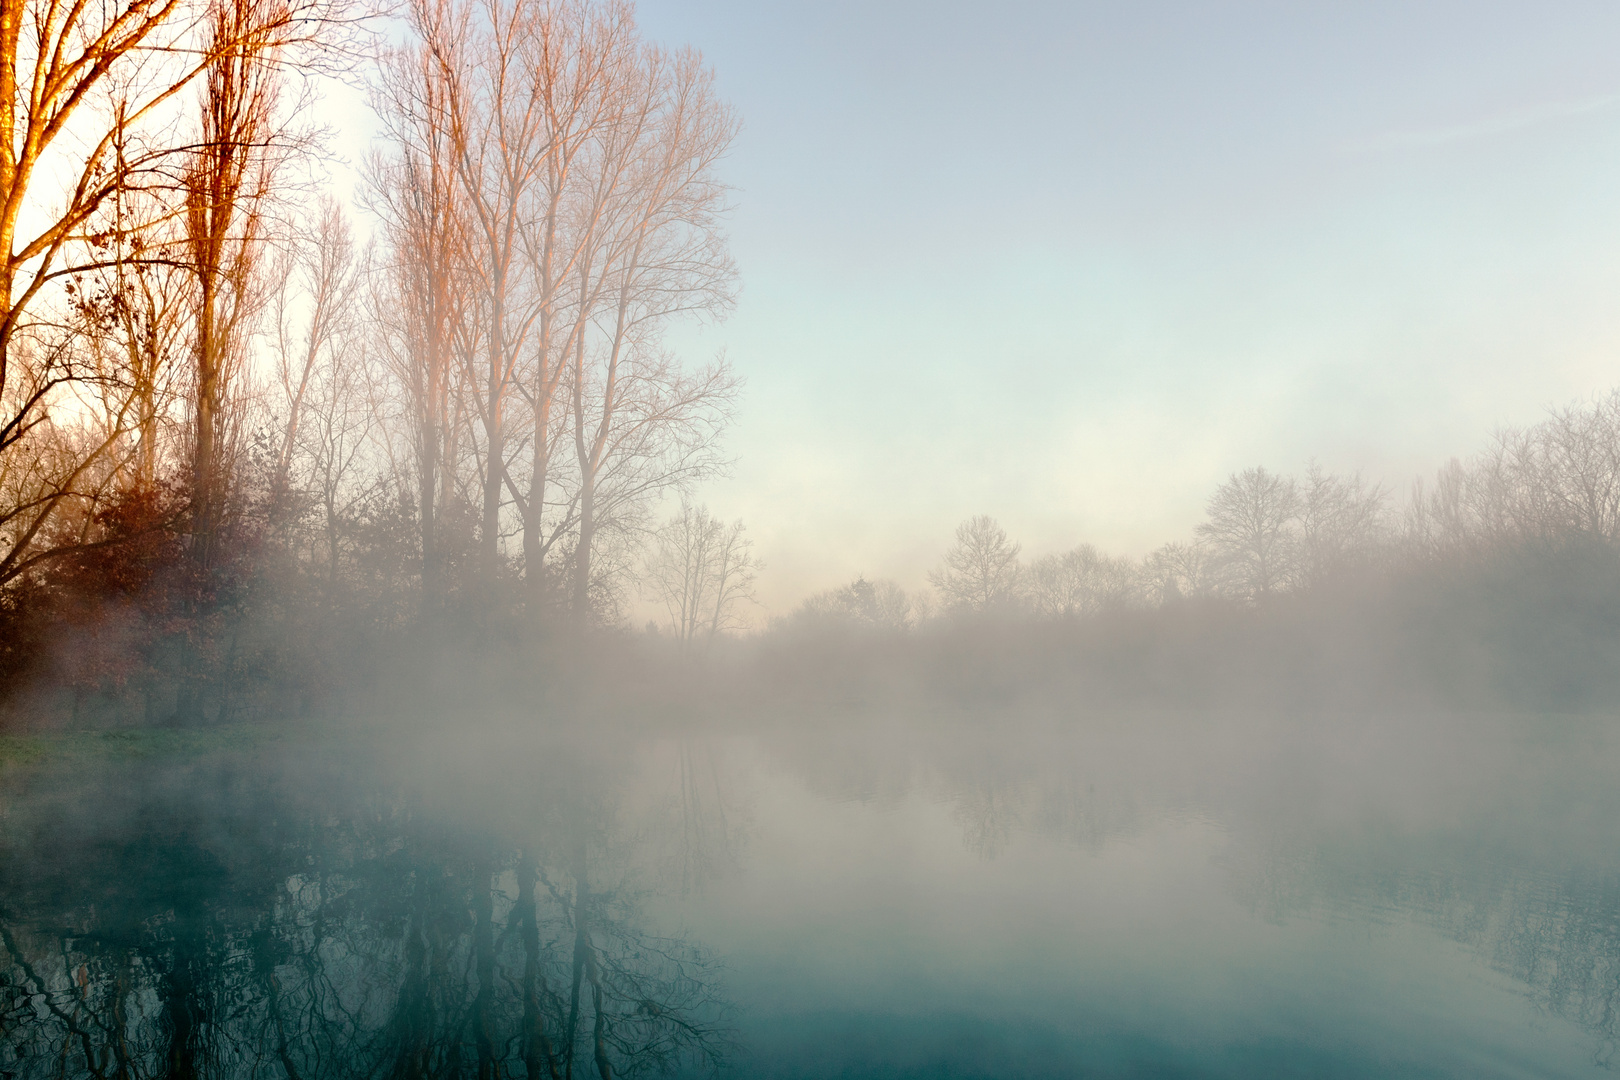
point(1210, 897)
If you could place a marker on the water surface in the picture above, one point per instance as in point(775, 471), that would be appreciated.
point(852, 896)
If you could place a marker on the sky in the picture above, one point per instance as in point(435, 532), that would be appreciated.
point(1073, 264)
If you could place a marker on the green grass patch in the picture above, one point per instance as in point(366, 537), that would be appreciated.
point(24, 751)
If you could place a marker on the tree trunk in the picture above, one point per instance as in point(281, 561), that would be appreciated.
point(427, 484)
point(483, 1020)
point(204, 452)
point(581, 610)
point(538, 1058)
point(495, 438)
point(534, 554)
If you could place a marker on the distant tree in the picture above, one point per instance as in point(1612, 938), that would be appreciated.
point(1438, 519)
point(1080, 582)
point(1252, 531)
point(1579, 452)
point(1342, 522)
point(981, 570)
point(870, 605)
point(703, 571)
point(1543, 484)
point(1176, 571)
point(323, 273)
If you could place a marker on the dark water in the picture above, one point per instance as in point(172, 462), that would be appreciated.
point(859, 897)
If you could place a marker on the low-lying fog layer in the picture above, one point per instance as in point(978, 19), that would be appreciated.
point(1174, 895)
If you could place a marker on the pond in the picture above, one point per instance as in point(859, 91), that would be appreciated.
point(840, 896)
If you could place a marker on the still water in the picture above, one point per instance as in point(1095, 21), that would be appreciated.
point(975, 896)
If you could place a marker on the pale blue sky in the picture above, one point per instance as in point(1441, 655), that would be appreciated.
point(1072, 264)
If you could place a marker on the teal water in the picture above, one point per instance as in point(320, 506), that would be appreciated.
point(859, 897)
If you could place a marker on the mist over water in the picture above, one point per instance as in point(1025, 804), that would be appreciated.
point(864, 896)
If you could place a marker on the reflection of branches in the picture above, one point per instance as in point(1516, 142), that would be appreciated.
point(991, 803)
point(1559, 937)
point(49, 996)
point(64, 1011)
point(987, 812)
point(1562, 939)
point(709, 835)
point(368, 945)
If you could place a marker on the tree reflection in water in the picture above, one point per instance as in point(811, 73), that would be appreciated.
point(1553, 929)
point(337, 929)
point(1495, 863)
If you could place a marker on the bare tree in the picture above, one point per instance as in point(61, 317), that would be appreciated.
point(1342, 522)
point(425, 292)
point(981, 571)
point(1439, 519)
point(243, 146)
point(324, 375)
point(69, 462)
point(1580, 451)
point(581, 51)
point(658, 254)
point(552, 204)
point(1176, 571)
point(61, 68)
point(1252, 532)
point(86, 94)
point(495, 95)
point(324, 273)
point(1080, 582)
point(133, 314)
point(703, 571)
point(1545, 484)
point(867, 605)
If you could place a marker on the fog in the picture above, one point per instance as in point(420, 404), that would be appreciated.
point(553, 539)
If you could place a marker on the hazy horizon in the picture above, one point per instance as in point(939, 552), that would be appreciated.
point(1199, 240)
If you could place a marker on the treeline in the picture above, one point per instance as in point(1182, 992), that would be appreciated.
point(1541, 489)
point(242, 454)
point(1496, 584)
